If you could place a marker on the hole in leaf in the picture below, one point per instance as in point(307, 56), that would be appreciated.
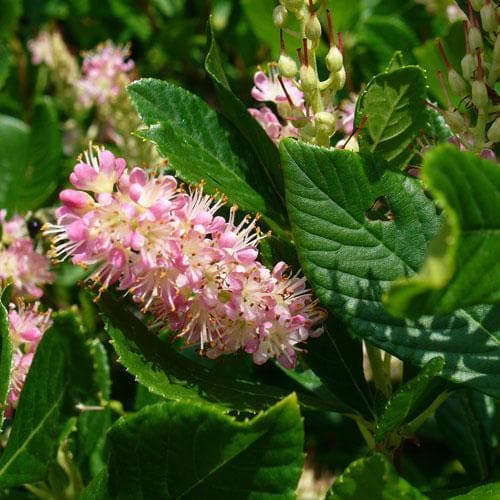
point(380, 210)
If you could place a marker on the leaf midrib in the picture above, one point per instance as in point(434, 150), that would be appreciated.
point(388, 117)
point(33, 433)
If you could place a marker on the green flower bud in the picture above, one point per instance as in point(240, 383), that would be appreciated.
point(455, 121)
point(339, 79)
point(334, 60)
point(287, 66)
point(457, 83)
point(308, 79)
point(280, 16)
point(496, 52)
point(479, 95)
point(475, 39)
point(494, 131)
point(477, 4)
point(469, 66)
point(489, 17)
point(313, 28)
point(325, 123)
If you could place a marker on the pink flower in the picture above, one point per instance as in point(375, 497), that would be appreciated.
point(347, 111)
point(270, 123)
point(20, 262)
point(189, 267)
point(41, 49)
point(26, 326)
point(105, 72)
point(98, 175)
point(269, 89)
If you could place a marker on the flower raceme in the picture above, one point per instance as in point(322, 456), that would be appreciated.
point(193, 270)
point(26, 327)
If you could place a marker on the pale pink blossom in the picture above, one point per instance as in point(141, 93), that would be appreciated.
point(105, 72)
point(193, 270)
point(347, 111)
point(41, 49)
point(269, 89)
point(271, 124)
point(27, 324)
point(21, 263)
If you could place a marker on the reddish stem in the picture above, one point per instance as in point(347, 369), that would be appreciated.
point(443, 54)
point(311, 8)
point(466, 33)
point(288, 98)
point(330, 28)
point(340, 42)
point(306, 52)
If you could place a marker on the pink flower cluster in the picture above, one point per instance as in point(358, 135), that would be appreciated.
point(192, 269)
point(287, 98)
point(20, 262)
point(105, 72)
point(26, 326)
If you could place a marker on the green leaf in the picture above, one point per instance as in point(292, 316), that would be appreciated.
point(268, 166)
point(350, 260)
point(93, 424)
point(60, 376)
point(97, 489)
point(489, 490)
point(467, 422)
point(337, 359)
point(376, 39)
point(5, 361)
point(201, 145)
point(401, 407)
point(164, 371)
point(29, 167)
point(184, 450)
point(9, 15)
point(395, 106)
point(462, 267)
point(374, 478)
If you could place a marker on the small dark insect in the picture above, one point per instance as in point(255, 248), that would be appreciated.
point(34, 225)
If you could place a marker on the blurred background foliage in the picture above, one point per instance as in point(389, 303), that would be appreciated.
point(168, 38)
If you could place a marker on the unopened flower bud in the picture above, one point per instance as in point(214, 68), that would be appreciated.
point(479, 95)
point(489, 17)
point(477, 4)
point(339, 79)
point(457, 83)
point(313, 28)
point(308, 79)
point(455, 121)
point(468, 64)
point(325, 123)
point(475, 39)
point(488, 154)
point(334, 60)
point(280, 16)
point(496, 52)
point(287, 66)
point(494, 131)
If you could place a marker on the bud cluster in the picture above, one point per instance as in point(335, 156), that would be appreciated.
point(196, 272)
point(315, 118)
point(476, 124)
